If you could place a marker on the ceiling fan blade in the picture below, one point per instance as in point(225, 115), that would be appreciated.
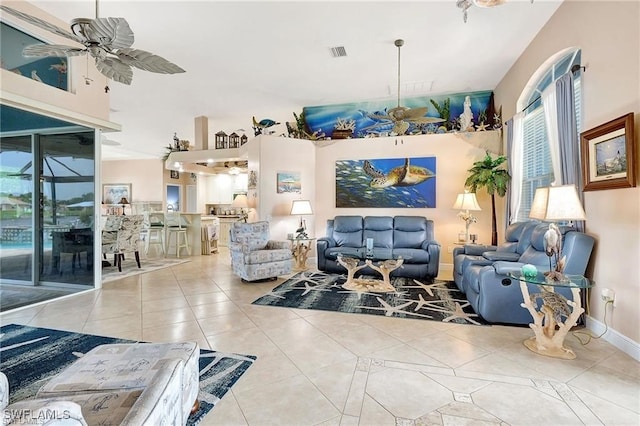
point(51, 50)
point(40, 23)
point(147, 61)
point(115, 70)
point(113, 33)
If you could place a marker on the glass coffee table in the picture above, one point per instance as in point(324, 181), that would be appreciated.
point(383, 266)
point(549, 339)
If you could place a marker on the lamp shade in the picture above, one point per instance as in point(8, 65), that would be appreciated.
point(123, 200)
point(466, 201)
point(241, 200)
point(557, 203)
point(301, 207)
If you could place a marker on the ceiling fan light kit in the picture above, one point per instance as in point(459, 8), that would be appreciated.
point(107, 40)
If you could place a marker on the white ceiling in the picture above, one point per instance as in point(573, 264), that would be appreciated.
point(270, 59)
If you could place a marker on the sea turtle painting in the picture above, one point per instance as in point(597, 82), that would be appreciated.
point(405, 175)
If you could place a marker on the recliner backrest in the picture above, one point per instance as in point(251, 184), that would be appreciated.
point(512, 237)
point(525, 237)
point(411, 231)
point(255, 235)
point(380, 228)
point(348, 231)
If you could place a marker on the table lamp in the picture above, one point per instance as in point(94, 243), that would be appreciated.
point(241, 201)
point(467, 201)
point(124, 202)
point(556, 203)
point(301, 207)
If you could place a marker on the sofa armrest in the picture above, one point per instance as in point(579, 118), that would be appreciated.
point(506, 256)
point(326, 242)
point(275, 245)
point(478, 249)
point(433, 248)
point(322, 244)
point(503, 268)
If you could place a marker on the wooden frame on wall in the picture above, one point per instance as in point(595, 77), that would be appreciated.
point(112, 193)
point(608, 155)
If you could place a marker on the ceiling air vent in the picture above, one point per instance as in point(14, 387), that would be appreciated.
point(338, 51)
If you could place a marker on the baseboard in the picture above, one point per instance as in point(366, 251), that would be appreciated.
point(618, 340)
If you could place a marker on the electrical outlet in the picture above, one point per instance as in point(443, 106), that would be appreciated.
point(608, 295)
point(449, 249)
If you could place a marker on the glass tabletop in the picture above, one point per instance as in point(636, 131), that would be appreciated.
point(576, 281)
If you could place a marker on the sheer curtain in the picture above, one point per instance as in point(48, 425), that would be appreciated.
point(550, 108)
point(558, 101)
point(515, 142)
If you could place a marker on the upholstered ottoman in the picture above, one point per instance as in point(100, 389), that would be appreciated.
point(122, 367)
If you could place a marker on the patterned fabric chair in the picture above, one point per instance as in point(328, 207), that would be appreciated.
point(118, 240)
point(255, 257)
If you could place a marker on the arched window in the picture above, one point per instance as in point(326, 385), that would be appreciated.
point(537, 168)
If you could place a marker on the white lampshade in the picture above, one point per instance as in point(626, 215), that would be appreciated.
point(557, 203)
point(466, 201)
point(301, 207)
point(240, 201)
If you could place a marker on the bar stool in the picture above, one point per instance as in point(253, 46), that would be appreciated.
point(154, 230)
point(174, 226)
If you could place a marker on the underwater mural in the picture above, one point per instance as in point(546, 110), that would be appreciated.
point(388, 182)
point(422, 115)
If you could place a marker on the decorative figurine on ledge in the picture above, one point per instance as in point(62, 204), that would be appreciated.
point(265, 123)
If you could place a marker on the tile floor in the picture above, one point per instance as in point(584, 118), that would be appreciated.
point(325, 368)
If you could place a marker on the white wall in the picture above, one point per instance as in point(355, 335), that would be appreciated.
point(609, 36)
point(455, 154)
point(269, 155)
point(145, 177)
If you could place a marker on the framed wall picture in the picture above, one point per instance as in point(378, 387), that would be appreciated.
point(175, 174)
point(288, 182)
point(386, 183)
point(608, 154)
point(112, 193)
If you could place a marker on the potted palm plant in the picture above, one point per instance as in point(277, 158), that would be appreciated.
point(490, 174)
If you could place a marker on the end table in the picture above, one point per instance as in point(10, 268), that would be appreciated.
point(548, 340)
point(300, 248)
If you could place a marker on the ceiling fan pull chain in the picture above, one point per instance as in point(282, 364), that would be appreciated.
point(87, 80)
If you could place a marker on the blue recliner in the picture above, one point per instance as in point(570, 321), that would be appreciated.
point(517, 236)
point(497, 297)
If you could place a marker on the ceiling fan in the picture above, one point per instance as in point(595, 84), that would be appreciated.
point(107, 40)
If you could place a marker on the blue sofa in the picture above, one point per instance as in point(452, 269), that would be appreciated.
point(497, 297)
point(411, 237)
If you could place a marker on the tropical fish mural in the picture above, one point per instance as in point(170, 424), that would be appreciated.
point(388, 182)
point(472, 111)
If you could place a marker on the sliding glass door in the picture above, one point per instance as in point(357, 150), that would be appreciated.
point(47, 181)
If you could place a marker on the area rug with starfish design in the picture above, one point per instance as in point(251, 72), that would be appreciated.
point(435, 300)
point(30, 356)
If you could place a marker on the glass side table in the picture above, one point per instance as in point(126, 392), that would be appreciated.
point(548, 340)
point(300, 248)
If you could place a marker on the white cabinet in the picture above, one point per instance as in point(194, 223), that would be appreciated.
point(222, 187)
